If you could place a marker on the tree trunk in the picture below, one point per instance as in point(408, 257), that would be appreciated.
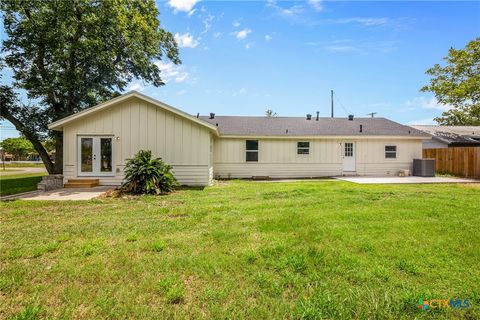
point(49, 165)
point(58, 152)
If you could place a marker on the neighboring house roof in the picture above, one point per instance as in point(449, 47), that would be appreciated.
point(58, 125)
point(300, 126)
point(453, 135)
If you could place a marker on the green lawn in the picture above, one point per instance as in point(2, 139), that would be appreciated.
point(310, 250)
point(18, 183)
point(22, 165)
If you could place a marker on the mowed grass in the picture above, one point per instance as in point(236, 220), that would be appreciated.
point(18, 183)
point(251, 250)
point(23, 165)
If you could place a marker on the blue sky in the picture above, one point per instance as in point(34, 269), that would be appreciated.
point(241, 58)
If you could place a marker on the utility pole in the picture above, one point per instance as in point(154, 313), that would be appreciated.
point(372, 114)
point(331, 97)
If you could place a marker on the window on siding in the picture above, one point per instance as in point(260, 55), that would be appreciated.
point(390, 152)
point(303, 147)
point(251, 150)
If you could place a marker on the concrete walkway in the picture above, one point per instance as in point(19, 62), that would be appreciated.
point(406, 180)
point(65, 194)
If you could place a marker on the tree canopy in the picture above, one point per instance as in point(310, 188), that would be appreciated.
point(270, 113)
point(19, 147)
point(71, 55)
point(458, 84)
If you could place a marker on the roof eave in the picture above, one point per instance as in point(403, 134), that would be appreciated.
point(254, 136)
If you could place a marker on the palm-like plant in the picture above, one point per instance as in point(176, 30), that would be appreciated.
point(147, 175)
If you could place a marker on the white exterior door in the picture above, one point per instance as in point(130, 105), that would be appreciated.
point(95, 156)
point(349, 157)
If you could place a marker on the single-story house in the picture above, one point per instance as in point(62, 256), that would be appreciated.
point(99, 140)
point(450, 136)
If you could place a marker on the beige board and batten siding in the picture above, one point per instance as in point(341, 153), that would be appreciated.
point(278, 157)
point(136, 125)
point(371, 159)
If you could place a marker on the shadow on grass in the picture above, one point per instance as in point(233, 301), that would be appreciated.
point(14, 185)
point(193, 188)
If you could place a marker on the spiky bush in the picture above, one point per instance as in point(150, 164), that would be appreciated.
point(147, 175)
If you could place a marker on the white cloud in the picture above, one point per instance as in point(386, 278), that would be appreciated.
point(183, 5)
point(422, 122)
point(236, 23)
point(171, 72)
point(368, 22)
point(217, 34)
point(242, 34)
point(207, 23)
point(268, 37)
point(341, 49)
point(361, 46)
point(316, 4)
point(186, 40)
point(425, 103)
point(239, 92)
point(249, 45)
point(286, 12)
point(137, 86)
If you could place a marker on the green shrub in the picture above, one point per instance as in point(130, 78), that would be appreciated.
point(147, 175)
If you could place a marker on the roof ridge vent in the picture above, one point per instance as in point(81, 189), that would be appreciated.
point(350, 117)
point(309, 116)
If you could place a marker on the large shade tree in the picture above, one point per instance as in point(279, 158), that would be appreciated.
point(457, 83)
point(71, 55)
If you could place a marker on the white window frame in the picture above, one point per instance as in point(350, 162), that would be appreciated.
point(79, 155)
point(248, 150)
point(303, 148)
point(390, 152)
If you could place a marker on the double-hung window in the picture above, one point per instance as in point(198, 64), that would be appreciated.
point(303, 147)
point(390, 152)
point(251, 150)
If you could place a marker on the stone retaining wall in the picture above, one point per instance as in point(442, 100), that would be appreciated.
point(50, 182)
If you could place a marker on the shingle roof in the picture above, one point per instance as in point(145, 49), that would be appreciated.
point(300, 126)
point(453, 135)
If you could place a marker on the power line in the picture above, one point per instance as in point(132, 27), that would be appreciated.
point(342, 106)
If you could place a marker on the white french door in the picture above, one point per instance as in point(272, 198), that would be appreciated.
point(95, 156)
point(349, 162)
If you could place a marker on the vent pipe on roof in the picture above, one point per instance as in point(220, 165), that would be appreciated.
point(212, 115)
point(198, 114)
point(309, 116)
point(350, 117)
point(361, 128)
point(318, 115)
point(331, 98)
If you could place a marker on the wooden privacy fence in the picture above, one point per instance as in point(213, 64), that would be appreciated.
point(461, 161)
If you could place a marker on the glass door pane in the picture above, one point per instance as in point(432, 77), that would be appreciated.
point(106, 154)
point(348, 149)
point(86, 145)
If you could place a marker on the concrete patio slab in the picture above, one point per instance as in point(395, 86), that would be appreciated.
point(66, 194)
point(406, 180)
